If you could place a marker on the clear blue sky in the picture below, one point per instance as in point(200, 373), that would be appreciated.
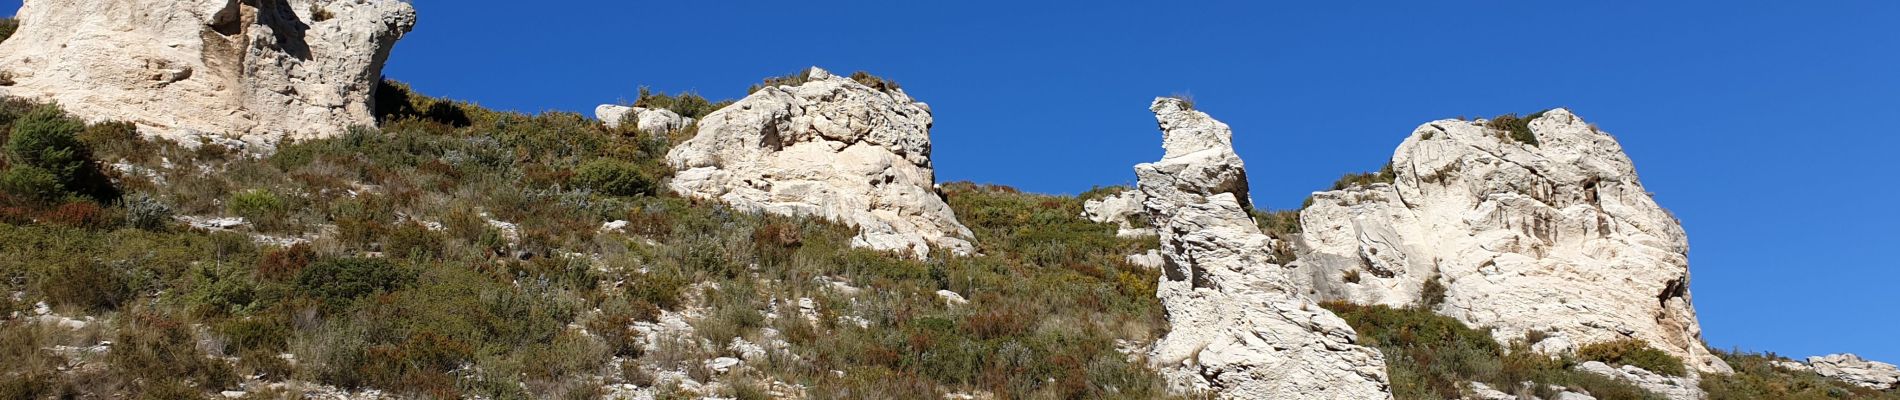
point(1768, 127)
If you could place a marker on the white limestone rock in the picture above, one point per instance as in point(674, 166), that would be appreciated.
point(1239, 327)
point(1559, 237)
point(1122, 209)
point(657, 120)
point(259, 71)
point(1671, 387)
point(830, 147)
point(1853, 369)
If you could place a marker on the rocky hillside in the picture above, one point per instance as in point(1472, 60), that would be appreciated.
point(794, 243)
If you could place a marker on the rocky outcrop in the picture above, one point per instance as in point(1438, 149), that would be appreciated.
point(829, 147)
point(1535, 227)
point(1239, 327)
point(657, 120)
point(1122, 209)
point(1670, 387)
point(260, 70)
point(1855, 370)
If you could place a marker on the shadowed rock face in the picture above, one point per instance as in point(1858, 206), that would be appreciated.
point(829, 147)
point(257, 69)
point(1239, 327)
point(1558, 237)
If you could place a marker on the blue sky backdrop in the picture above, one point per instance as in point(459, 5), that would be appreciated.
point(1768, 127)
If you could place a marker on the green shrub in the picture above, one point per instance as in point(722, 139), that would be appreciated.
point(83, 283)
point(7, 27)
point(1510, 126)
point(45, 139)
point(686, 104)
point(1385, 175)
point(255, 204)
point(339, 281)
point(1633, 352)
point(614, 178)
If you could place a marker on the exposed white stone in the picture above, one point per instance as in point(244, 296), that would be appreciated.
point(1150, 260)
point(722, 364)
point(614, 226)
point(1674, 388)
point(255, 70)
point(1122, 209)
point(1559, 237)
point(952, 298)
point(656, 120)
point(1238, 325)
point(1853, 369)
point(830, 147)
point(1791, 365)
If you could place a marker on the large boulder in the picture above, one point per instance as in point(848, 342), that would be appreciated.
point(260, 70)
point(1239, 326)
point(1853, 369)
point(1539, 226)
point(830, 147)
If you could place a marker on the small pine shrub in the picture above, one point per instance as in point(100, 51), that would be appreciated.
point(256, 205)
point(686, 104)
point(46, 139)
point(1633, 352)
point(339, 281)
point(613, 177)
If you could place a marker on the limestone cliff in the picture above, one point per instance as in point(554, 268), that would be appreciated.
point(257, 69)
point(1526, 225)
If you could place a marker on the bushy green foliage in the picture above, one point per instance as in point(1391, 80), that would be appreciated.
point(686, 104)
point(1513, 127)
point(1430, 356)
point(1633, 352)
point(1385, 175)
point(1756, 377)
point(340, 281)
point(7, 27)
point(613, 177)
point(44, 144)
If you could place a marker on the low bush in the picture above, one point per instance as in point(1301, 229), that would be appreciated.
point(1757, 377)
point(339, 281)
point(1515, 128)
point(614, 178)
point(1385, 175)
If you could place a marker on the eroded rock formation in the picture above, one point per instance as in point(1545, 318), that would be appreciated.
point(830, 147)
point(1550, 232)
point(257, 69)
point(1853, 369)
point(1239, 326)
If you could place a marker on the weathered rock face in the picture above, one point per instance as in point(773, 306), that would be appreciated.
point(258, 69)
point(645, 119)
point(1123, 209)
point(1853, 369)
point(1558, 237)
point(829, 147)
point(1239, 326)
